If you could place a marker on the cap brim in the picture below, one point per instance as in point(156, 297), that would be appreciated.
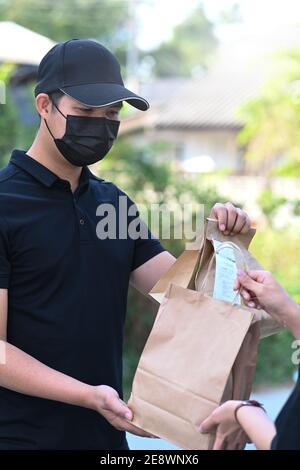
point(104, 94)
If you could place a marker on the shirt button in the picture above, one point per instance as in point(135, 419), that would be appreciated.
point(81, 221)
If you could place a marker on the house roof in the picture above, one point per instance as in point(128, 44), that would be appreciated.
point(238, 73)
point(20, 45)
point(209, 102)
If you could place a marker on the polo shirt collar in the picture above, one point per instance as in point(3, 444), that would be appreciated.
point(40, 172)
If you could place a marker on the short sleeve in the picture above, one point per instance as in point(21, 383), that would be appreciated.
point(146, 245)
point(4, 255)
point(145, 249)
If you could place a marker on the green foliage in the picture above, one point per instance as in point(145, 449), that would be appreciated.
point(290, 168)
point(8, 117)
point(272, 120)
point(137, 168)
point(13, 133)
point(274, 364)
point(147, 175)
point(61, 20)
point(276, 251)
point(8, 129)
point(297, 208)
point(190, 47)
point(270, 203)
point(104, 20)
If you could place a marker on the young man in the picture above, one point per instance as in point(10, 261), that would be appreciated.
point(63, 290)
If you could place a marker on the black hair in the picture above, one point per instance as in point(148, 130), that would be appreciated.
point(55, 97)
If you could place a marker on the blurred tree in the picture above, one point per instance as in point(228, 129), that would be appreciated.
point(104, 20)
point(8, 129)
point(189, 49)
point(14, 133)
point(272, 121)
point(148, 177)
point(231, 15)
point(276, 250)
point(8, 117)
point(270, 203)
point(274, 364)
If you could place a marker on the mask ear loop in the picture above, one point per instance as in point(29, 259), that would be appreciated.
point(59, 111)
point(47, 122)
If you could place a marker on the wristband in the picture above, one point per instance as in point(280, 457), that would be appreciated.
point(247, 403)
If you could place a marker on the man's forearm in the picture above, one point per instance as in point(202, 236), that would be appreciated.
point(24, 374)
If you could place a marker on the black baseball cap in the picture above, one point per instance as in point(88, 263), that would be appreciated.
point(86, 71)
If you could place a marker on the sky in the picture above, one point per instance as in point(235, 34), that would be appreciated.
point(156, 18)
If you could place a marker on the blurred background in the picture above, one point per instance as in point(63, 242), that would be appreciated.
point(223, 81)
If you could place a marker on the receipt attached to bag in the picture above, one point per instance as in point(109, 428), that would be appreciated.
point(226, 273)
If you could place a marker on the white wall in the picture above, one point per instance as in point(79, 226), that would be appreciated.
point(219, 144)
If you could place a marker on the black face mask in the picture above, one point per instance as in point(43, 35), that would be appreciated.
point(87, 139)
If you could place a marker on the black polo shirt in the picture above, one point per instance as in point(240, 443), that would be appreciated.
point(288, 423)
point(67, 294)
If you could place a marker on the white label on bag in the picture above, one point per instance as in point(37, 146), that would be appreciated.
point(226, 273)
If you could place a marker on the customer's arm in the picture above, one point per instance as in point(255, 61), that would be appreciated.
point(253, 423)
point(257, 425)
point(260, 290)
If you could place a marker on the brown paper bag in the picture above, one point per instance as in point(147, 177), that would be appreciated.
point(195, 262)
point(184, 368)
point(241, 376)
point(172, 392)
point(182, 273)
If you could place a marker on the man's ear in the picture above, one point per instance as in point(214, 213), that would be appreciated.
point(43, 105)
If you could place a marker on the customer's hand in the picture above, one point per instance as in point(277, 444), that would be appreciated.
point(261, 290)
point(229, 434)
point(107, 402)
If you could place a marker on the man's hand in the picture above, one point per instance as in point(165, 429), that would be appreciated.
point(108, 403)
point(231, 220)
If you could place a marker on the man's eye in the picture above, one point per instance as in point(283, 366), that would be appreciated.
point(113, 114)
